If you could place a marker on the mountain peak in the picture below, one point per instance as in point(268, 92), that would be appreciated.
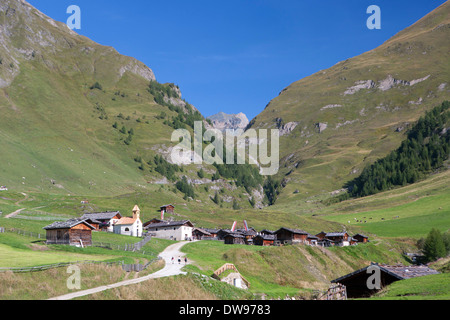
point(223, 121)
point(28, 35)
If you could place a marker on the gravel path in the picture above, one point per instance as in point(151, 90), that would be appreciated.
point(172, 268)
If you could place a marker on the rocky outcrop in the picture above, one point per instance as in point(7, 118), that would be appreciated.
point(383, 85)
point(359, 85)
point(287, 128)
point(223, 121)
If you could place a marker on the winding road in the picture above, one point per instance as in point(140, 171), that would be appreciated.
point(172, 268)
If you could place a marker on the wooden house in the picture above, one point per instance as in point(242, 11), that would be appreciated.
point(73, 232)
point(234, 238)
point(103, 221)
point(356, 282)
point(312, 240)
point(361, 238)
point(168, 208)
point(334, 238)
point(212, 231)
point(200, 234)
point(338, 238)
point(264, 239)
point(248, 234)
point(286, 235)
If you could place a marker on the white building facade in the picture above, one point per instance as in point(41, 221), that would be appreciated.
point(130, 226)
point(173, 230)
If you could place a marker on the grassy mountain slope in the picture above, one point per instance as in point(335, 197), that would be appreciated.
point(357, 111)
point(60, 95)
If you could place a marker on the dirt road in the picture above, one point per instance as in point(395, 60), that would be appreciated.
point(170, 269)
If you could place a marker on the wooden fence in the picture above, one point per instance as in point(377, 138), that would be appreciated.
point(122, 247)
point(26, 233)
point(57, 265)
point(139, 267)
point(335, 292)
point(2, 229)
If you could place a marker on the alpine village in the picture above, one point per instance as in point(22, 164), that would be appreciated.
point(93, 207)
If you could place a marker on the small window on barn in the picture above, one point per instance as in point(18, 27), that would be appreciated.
point(127, 229)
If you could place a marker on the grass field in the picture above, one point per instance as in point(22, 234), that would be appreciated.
point(433, 287)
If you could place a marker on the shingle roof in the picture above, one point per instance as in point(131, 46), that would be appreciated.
point(126, 220)
point(335, 234)
point(101, 215)
point(298, 231)
point(168, 224)
point(398, 271)
point(67, 224)
point(235, 235)
point(203, 231)
point(410, 271)
point(211, 230)
point(266, 236)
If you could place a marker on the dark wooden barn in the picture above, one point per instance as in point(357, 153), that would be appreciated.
point(200, 234)
point(357, 281)
point(74, 232)
point(213, 232)
point(361, 238)
point(264, 240)
point(234, 238)
point(286, 235)
point(168, 208)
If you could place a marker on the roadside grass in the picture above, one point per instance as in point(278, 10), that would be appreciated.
point(21, 251)
point(53, 282)
point(182, 287)
point(432, 287)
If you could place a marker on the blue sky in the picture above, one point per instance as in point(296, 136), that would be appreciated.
point(237, 55)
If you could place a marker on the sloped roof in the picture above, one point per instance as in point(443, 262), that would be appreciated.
point(126, 221)
point(102, 215)
point(211, 230)
point(234, 235)
point(297, 231)
point(335, 234)
point(268, 237)
point(67, 224)
point(202, 231)
point(397, 271)
point(170, 224)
